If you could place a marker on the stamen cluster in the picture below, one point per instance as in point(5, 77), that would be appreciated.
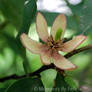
point(54, 45)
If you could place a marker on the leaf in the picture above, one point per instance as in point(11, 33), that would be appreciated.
point(4, 85)
point(58, 34)
point(6, 55)
point(29, 14)
point(13, 11)
point(62, 86)
point(48, 78)
point(26, 85)
point(34, 61)
point(71, 82)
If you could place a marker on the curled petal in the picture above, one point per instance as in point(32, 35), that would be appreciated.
point(59, 23)
point(73, 44)
point(62, 63)
point(41, 27)
point(31, 45)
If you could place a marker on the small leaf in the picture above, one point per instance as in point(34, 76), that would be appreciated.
point(58, 34)
point(48, 78)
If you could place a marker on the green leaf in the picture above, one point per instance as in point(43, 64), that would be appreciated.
point(71, 82)
point(62, 86)
point(26, 85)
point(6, 55)
point(29, 14)
point(4, 85)
point(48, 78)
point(13, 11)
point(34, 61)
point(58, 34)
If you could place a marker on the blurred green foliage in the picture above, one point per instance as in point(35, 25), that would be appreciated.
point(11, 21)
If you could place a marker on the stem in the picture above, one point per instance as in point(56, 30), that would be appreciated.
point(70, 54)
point(31, 74)
point(36, 73)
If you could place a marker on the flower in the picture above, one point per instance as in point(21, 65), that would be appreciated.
point(49, 51)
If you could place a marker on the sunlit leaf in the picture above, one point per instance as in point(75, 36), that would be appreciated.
point(48, 77)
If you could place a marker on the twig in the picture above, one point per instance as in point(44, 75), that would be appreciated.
point(78, 51)
point(36, 73)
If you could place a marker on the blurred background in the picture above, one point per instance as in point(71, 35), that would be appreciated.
point(79, 21)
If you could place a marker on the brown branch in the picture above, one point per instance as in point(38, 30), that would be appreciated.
point(36, 73)
point(47, 67)
point(70, 54)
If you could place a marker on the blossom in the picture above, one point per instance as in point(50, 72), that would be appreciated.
point(49, 50)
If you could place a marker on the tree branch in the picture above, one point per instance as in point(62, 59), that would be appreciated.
point(70, 54)
point(37, 73)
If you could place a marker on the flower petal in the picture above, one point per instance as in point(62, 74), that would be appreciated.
point(73, 44)
point(30, 44)
point(62, 63)
point(41, 27)
point(46, 58)
point(60, 22)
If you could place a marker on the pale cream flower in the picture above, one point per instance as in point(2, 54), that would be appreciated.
point(49, 51)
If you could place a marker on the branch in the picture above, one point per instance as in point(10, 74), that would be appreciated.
point(37, 73)
point(70, 54)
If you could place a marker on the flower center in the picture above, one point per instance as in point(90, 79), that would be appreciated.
point(54, 45)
